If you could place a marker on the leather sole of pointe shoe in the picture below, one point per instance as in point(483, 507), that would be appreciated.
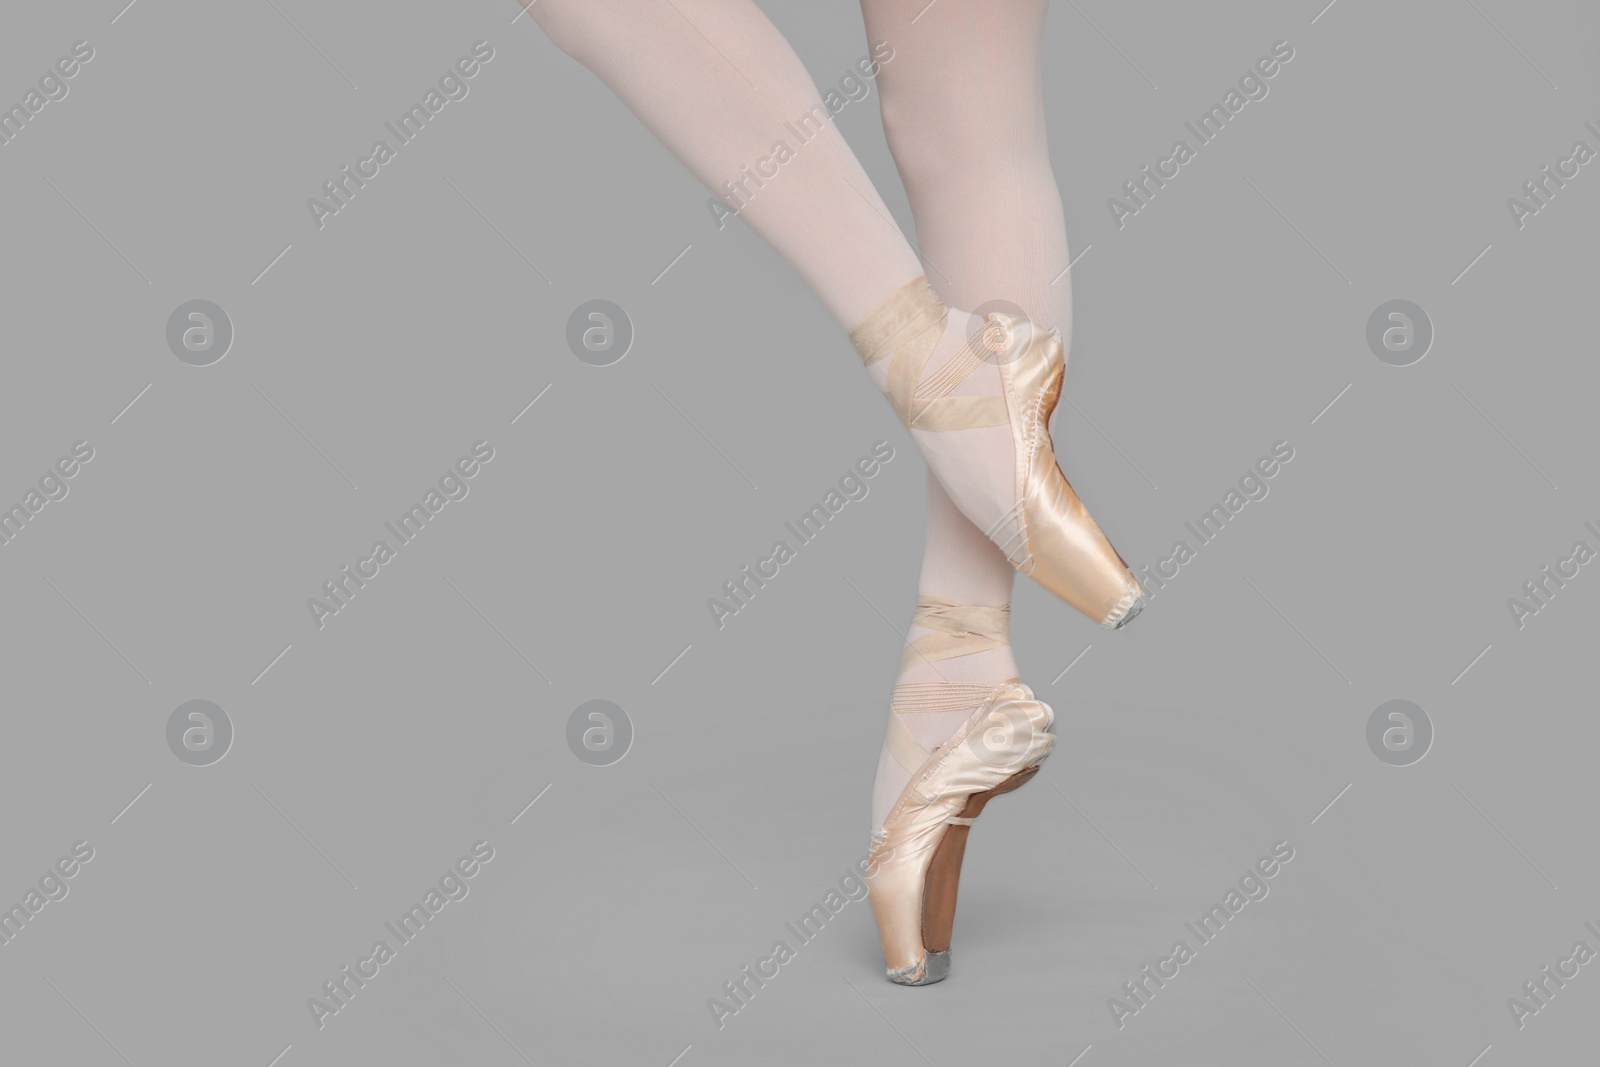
point(943, 879)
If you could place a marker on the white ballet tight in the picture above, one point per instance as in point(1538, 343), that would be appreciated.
point(963, 109)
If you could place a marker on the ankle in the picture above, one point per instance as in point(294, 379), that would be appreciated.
point(953, 644)
point(989, 667)
point(897, 340)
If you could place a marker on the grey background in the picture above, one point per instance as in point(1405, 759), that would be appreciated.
point(431, 711)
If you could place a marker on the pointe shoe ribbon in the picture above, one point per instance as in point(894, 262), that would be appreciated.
point(907, 327)
point(954, 629)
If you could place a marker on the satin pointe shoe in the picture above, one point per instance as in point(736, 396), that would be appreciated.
point(914, 865)
point(1046, 532)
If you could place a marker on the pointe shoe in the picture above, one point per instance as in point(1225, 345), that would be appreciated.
point(1048, 533)
point(915, 862)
